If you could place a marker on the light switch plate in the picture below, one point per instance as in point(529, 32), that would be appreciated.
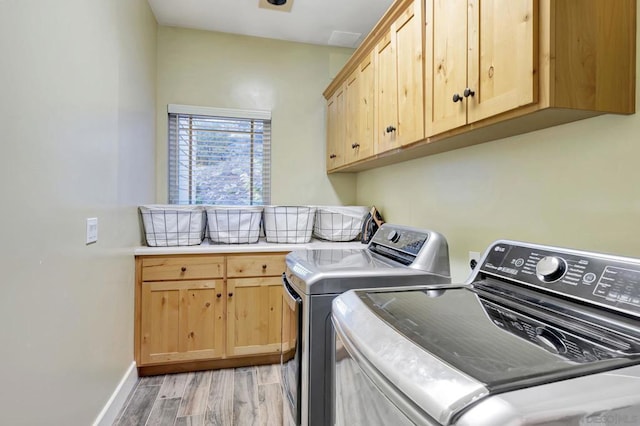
point(92, 230)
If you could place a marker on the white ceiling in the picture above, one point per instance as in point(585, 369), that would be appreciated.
point(310, 21)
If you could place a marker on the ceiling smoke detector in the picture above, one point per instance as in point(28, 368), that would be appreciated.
point(279, 5)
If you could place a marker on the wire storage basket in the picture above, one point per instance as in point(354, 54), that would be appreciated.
point(173, 225)
point(234, 224)
point(339, 223)
point(288, 224)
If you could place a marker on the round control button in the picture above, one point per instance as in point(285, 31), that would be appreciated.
point(589, 277)
point(519, 262)
point(393, 236)
point(551, 268)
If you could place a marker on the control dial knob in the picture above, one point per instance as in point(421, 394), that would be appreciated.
point(393, 236)
point(551, 268)
point(550, 340)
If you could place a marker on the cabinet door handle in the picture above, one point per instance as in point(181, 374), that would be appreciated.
point(332, 156)
point(230, 294)
point(355, 145)
point(468, 92)
point(457, 98)
point(390, 129)
point(183, 269)
point(219, 295)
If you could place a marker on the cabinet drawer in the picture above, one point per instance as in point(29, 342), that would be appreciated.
point(182, 268)
point(265, 265)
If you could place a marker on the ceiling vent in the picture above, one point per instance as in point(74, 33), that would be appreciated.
point(344, 39)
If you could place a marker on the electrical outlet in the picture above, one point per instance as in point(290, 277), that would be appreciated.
point(92, 230)
point(474, 258)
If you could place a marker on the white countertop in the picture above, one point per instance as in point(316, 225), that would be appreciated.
point(261, 246)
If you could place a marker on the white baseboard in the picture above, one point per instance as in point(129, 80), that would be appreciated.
point(118, 398)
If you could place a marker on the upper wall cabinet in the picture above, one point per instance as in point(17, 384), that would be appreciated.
point(481, 60)
point(488, 70)
point(399, 65)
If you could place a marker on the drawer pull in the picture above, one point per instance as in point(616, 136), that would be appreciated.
point(264, 266)
point(230, 294)
point(183, 269)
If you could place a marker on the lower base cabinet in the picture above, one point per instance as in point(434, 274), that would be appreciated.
point(181, 321)
point(254, 316)
point(230, 316)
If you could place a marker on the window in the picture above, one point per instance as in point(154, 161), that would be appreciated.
point(219, 156)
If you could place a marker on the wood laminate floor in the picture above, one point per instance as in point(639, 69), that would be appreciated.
point(238, 397)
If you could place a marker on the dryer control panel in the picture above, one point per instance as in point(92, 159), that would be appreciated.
point(419, 249)
point(600, 279)
point(399, 243)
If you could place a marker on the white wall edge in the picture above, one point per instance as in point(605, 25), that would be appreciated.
point(118, 398)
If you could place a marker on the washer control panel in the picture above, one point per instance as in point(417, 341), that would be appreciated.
point(552, 338)
point(600, 279)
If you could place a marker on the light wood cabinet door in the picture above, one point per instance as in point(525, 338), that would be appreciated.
point(352, 112)
point(387, 94)
point(366, 108)
point(501, 49)
point(181, 321)
point(254, 316)
point(400, 119)
point(359, 112)
point(352, 124)
point(445, 65)
point(336, 130)
point(482, 62)
point(410, 80)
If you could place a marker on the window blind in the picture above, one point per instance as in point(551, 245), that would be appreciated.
point(222, 159)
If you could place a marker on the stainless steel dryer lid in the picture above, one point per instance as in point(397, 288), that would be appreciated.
point(396, 256)
point(315, 272)
point(339, 260)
